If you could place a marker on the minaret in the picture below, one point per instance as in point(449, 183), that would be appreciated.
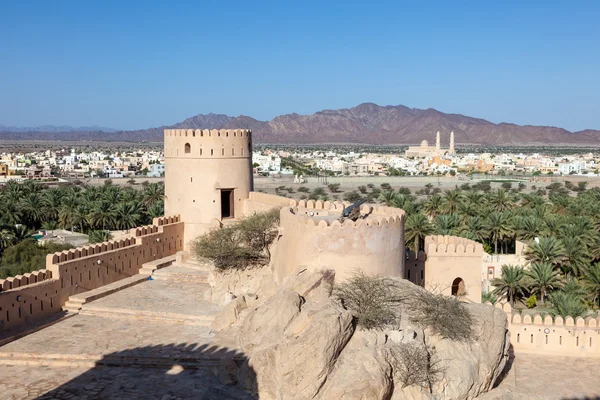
point(451, 150)
point(437, 142)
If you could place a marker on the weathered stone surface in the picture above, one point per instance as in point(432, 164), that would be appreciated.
point(258, 281)
point(472, 368)
point(361, 371)
point(313, 286)
point(312, 343)
point(228, 314)
point(265, 324)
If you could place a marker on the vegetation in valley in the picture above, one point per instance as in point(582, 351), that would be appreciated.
point(559, 223)
point(30, 206)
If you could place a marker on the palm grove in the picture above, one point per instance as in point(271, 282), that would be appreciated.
point(94, 210)
point(560, 224)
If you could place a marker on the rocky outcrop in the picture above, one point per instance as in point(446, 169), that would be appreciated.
point(301, 343)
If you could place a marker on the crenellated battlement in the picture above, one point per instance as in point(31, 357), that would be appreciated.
point(208, 144)
point(452, 245)
point(242, 134)
point(301, 216)
point(28, 278)
point(567, 336)
point(38, 294)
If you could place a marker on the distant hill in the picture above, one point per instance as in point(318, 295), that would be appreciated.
point(366, 123)
point(54, 128)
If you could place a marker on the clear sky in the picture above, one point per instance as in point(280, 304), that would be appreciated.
point(127, 64)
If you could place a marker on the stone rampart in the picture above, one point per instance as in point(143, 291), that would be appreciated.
point(28, 298)
point(313, 237)
point(453, 266)
point(576, 337)
point(208, 143)
point(259, 202)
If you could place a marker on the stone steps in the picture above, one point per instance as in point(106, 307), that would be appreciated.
point(76, 302)
point(172, 318)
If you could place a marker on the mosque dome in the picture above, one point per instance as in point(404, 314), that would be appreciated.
point(424, 143)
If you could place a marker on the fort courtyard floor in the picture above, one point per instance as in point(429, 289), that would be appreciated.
point(152, 341)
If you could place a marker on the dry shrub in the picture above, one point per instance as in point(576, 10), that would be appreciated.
point(373, 300)
point(242, 244)
point(445, 316)
point(415, 365)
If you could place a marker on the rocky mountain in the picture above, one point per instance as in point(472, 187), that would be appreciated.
point(366, 123)
point(54, 128)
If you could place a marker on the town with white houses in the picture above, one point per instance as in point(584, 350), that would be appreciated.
point(416, 160)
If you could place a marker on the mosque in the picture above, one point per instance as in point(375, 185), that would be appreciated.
point(425, 150)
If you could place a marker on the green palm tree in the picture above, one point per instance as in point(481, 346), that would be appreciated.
point(10, 213)
point(476, 227)
point(544, 278)
point(432, 207)
point(591, 283)
point(447, 224)
point(452, 201)
point(568, 304)
point(500, 227)
point(546, 250)
point(576, 256)
point(156, 210)
point(32, 206)
point(52, 201)
point(128, 215)
point(511, 284)
point(417, 226)
point(388, 197)
point(152, 193)
point(501, 200)
point(102, 215)
point(528, 228)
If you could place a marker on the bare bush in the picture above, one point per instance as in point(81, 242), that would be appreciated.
point(415, 365)
point(445, 316)
point(241, 244)
point(373, 300)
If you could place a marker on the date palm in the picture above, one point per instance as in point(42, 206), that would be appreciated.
point(32, 206)
point(476, 228)
point(52, 201)
point(500, 227)
point(544, 278)
point(102, 215)
point(128, 215)
point(546, 250)
point(528, 228)
point(432, 207)
point(576, 257)
point(512, 283)
point(452, 200)
point(447, 224)
point(501, 200)
point(387, 197)
point(591, 282)
point(416, 228)
point(152, 193)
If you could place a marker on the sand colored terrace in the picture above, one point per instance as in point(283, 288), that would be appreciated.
point(152, 341)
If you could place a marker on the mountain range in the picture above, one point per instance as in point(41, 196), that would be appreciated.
point(366, 123)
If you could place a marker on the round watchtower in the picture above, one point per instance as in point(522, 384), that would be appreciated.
point(208, 174)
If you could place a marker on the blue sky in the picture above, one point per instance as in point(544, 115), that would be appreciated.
point(137, 64)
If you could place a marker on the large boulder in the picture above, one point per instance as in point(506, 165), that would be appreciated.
point(361, 371)
point(471, 368)
point(265, 324)
point(235, 283)
point(313, 286)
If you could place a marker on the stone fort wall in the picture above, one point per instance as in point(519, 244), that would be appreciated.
point(199, 166)
point(575, 337)
point(31, 297)
point(310, 240)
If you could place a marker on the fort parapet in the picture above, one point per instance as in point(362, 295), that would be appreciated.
point(313, 237)
point(575, 337)
point(30, 297)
